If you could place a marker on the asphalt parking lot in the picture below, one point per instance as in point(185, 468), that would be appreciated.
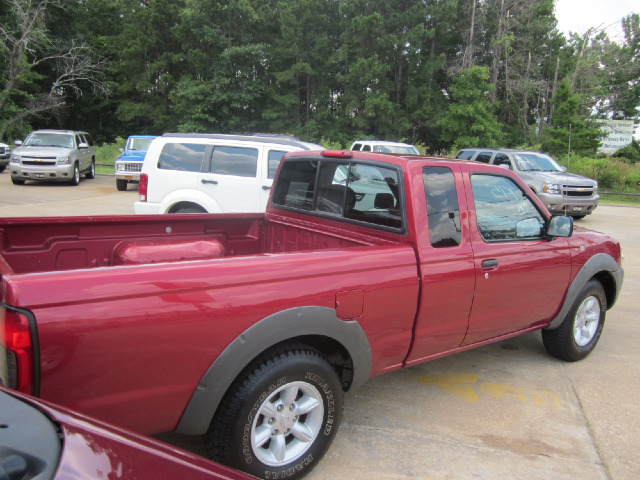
point(504, 411)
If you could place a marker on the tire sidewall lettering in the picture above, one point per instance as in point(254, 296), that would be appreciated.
point(324, 386)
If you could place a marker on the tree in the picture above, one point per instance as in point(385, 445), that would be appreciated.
point(571, 123)
point(470, 119)
point(39, 73)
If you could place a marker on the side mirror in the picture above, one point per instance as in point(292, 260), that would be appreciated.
point(83, 145)
point(18, 142)
point(121, 150)
point(560, 226)
point(564, 169)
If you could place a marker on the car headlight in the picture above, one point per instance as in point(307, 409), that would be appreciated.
point(120, 167)
point(64, 160)
point(551, 188)
point(15, 158)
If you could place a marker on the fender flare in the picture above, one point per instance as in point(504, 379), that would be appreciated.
point(600, 262)
point(274, 329)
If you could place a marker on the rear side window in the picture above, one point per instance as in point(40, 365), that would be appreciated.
point(186, 157)
point(465, 154)
point(274, 160)
point(365, 193)
point(296, 184)
point(484, 157)
point(236, 161)
point(442, 207)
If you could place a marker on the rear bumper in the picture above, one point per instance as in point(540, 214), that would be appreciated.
point(146, 208)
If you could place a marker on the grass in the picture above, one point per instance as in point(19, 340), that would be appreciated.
point(620, 199)
point(106, 156)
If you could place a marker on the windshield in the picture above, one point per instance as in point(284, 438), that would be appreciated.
point(141, 144)
point(50, 140)
point(536, 162)
point(406, 150)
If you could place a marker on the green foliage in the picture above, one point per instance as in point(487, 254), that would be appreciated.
point(470, 120)
point(106, 155)
point(611, 174)
point(629, 153)
point(570, 128)
point(328, 69)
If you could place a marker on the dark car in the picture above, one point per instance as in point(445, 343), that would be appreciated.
point(41, 441)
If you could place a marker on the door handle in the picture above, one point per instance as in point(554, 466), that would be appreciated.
point(266, 187)
point(487, 264)
point(212, 182)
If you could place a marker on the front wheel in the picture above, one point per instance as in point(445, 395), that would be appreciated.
point(121, 185)
point(580, 331)
point(280, 416)
point(75, 180)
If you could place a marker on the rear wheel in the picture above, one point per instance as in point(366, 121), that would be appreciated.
point(2, 168)
point(121, 185)
point(190, 210)
point(92, 170)
point(280, 416)
point(580, 331)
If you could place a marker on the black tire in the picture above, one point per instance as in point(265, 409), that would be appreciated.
point(75, 180)
point(92, 170)
point(190, 210)
point(578, 217)
point(16, 181)
point(580, 331)
point(2, 168)
point(121, 185)
point(264, 412)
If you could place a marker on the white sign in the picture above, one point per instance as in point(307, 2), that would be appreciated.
point(617, 134)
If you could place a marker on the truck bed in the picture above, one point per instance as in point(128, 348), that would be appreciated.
point(70, 243)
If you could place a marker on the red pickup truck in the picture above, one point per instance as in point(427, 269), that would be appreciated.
point(248, 328)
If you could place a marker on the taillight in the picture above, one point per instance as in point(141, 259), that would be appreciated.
point(16, 351)
point(142, 187)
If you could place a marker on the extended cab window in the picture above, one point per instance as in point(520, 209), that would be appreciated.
point(367, 193)
point(503, 211)
point(236, 161)
point(442, 206)
point(186, 157)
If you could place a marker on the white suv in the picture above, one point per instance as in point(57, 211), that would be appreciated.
point(211, 173)
point(384, 147)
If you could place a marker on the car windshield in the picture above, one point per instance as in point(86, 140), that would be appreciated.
point(536, 162)
point(141, 144)
point(50, 140)
point(406, 150)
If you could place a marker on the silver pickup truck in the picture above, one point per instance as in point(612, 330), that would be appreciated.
point(53, 155)
point(561, 192)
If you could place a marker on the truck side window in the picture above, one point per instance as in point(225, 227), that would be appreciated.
point(236, 161)
point(186, 157)
point(442, 207)
point(273, 160)
point(503, 210)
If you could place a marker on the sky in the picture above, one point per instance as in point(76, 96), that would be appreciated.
point(579, 15)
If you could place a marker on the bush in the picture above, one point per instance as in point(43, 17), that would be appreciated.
point(629, 153)
point(611, 174)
